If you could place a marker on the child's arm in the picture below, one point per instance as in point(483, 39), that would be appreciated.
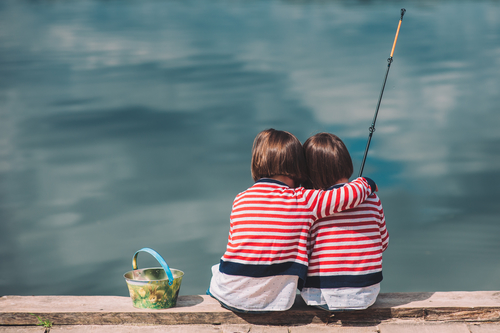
point(384, 234)
point(346, 197)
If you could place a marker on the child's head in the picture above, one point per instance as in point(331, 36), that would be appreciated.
point(277, 153)
point(328, 160)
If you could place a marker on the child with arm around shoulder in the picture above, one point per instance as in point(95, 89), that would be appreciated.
point(266, 255)
point(345, 249)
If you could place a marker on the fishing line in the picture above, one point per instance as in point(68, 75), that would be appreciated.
point(372, 127)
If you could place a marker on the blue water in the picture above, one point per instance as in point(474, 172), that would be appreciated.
point(129, 124)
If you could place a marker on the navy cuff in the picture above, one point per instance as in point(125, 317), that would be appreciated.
point(372, 184)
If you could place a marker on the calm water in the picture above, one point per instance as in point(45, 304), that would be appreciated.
point(129, 124)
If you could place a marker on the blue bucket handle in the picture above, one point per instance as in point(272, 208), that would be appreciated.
point(158, 257)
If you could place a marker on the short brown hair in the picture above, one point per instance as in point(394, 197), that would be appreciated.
point(278, 153)
point(328, 160)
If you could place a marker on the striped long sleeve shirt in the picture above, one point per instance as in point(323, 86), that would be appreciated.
point(345, 249)
point(345, 257)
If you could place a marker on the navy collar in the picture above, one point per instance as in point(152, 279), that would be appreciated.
point(270, 180)
point(336, 186)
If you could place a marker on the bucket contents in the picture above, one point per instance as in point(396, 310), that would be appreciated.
point(153, 288)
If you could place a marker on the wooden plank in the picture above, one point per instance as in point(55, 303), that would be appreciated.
point(332, 329)
point(484, 328)
point(202, 309)
point(424, 328)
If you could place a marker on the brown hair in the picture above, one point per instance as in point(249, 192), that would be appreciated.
point(277, 153)
point(328, 160)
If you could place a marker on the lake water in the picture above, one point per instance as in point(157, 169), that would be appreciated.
point(129, 124)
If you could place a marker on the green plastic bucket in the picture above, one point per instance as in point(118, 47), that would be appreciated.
point(153, 288)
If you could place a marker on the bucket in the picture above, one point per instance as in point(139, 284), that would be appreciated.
point(153, 288)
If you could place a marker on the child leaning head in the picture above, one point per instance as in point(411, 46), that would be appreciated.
point(278, 153)
point(328, 160)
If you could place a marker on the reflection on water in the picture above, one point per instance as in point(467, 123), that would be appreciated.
point(129, 124)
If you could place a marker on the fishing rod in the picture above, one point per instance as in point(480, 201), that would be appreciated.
point(372, 127)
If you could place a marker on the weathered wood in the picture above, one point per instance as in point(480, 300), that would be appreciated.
point(113, 310)
point(424, 328)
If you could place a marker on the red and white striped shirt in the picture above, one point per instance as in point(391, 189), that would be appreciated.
point(347, 244)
